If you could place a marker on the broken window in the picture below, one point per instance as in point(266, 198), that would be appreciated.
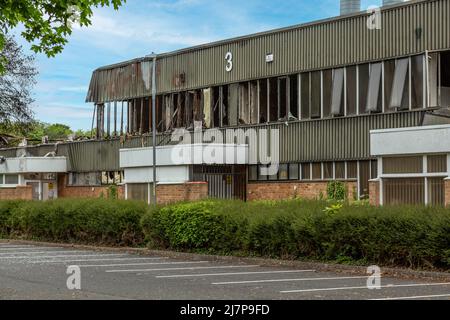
point(433, 79)
point(224, 103)
point(351, 85)
point(233, 104)
point(400, 87)
point(293, 97)
point(417, 74)
point(189, 112)
point(244, 109)
point(363, 75)
point(207, 107)
point(197, 106)
point(316, 94)
point(445, 79)
point(216, 106)
point(337, 98)
point(389, 71)
point(305, 95)
point(273, 100)
point(253, 102)
point(262, 101)
point(374, 102)
point(327, 92)
point(283, 99)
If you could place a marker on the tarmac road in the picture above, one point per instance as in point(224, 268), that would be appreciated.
point(32, 272)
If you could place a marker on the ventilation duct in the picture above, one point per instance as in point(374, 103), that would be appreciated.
point(350, 6)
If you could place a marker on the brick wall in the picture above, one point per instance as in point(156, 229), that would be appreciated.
point(18, 193)
point(447, 192)
point(374, 192)
point(191, 191)
point(290, 190)
point(65, 191)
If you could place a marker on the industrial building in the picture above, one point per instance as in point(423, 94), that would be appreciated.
point(360, 98)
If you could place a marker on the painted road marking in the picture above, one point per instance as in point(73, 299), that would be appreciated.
point(233, 274)
point(287, 280)
point(414, 298)
point(140, 264)
point(97, 260)
point(187, 268)
point(37, 253)
point(65, 256)
point(358, 288)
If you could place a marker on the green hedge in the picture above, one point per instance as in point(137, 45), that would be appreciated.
point(296, 229)
point(89, 221)
point(396, 236)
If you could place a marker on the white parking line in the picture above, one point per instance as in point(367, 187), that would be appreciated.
point(139, 264)
point(232, 274)
point(287, 280)
point(414, 297)
point(170, 269)
point(37, 253)
point(65, 256)
point(97, 260)
point(358, 288)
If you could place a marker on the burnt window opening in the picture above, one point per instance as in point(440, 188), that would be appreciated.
point(216, 106)
point(273, 100)
point(400, 87)
point(293, 97)
point(389, 71)
point(351, 85)
point(224, 106)
point(444, 79)
point(374, 97)
point(337, 98)
point(417, 74)
point(263, 101)
point(233, 104)
point(160, 116)
point(189, 110)
point(207, 108)
point(253, 101)
point(283, 96)
point(244, 108)
point(316, 95)
point(363, 71)
point(305, 100)
point(327, 82)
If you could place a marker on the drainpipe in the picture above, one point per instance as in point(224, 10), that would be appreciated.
point(154, 197)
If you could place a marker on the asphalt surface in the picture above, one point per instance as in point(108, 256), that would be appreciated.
point(32, 272)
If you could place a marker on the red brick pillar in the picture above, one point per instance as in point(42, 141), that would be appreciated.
point(447, 192)
point(374, 192)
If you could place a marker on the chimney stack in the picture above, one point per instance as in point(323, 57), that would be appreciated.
point(350, 6)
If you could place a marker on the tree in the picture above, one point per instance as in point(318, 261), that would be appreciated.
point(47, 23)
point(16, 83)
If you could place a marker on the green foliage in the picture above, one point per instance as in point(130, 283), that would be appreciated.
point(336, 190)
point(405, 236)
point(48, 23)
point(397, 236)
point(86, 221)
point(113, 192)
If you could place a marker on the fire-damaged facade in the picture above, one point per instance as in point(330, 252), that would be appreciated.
point(330, 100)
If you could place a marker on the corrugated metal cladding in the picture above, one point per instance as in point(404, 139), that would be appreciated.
point(324, 140)
point(411, 28)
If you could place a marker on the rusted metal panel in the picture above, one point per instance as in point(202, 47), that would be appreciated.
point(407, 29)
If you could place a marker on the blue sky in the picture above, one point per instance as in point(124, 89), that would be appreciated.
point(143, 26)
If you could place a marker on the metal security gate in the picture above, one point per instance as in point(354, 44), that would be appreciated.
point(224, 182)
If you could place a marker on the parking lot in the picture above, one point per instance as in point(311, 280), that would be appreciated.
point(39, 272)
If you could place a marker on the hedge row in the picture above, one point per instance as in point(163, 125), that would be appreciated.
point(99, 221)
point(396, 236)
point(296, 229)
